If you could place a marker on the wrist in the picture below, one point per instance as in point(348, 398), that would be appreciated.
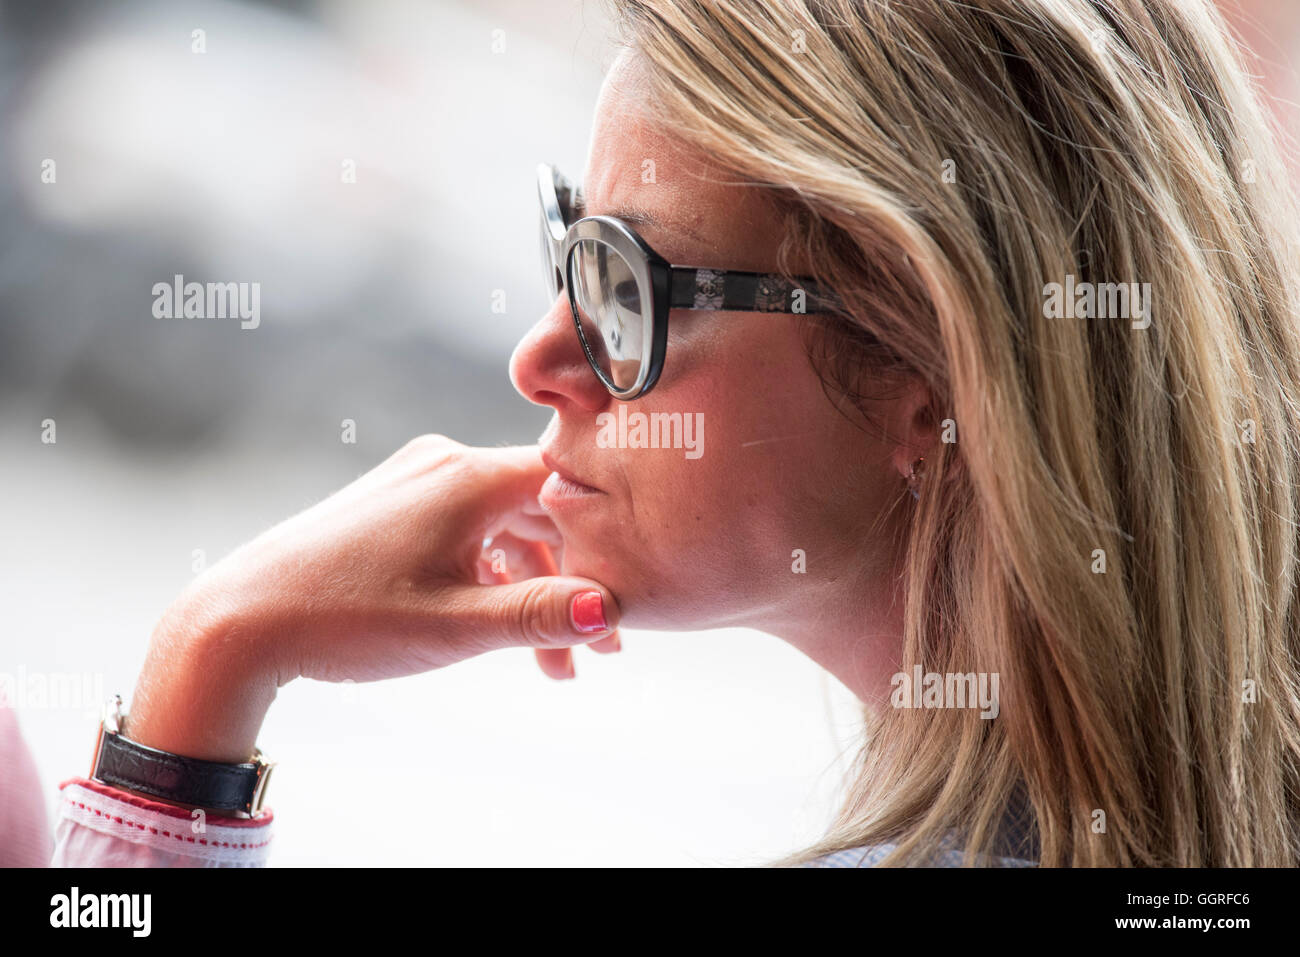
point(203, 691)
point(226, 789)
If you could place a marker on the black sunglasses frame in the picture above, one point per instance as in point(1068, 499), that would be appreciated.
point(661, 284)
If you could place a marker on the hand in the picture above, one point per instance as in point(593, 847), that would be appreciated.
point(535, 552)
point(379, 580)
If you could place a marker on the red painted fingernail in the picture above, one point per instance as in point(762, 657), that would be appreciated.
point(588, 612)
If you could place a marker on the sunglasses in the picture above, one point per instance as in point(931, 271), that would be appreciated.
point(620, 290)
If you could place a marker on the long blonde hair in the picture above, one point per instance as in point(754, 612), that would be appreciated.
point(1114, 530)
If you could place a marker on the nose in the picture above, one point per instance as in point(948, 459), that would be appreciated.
point(548, 366)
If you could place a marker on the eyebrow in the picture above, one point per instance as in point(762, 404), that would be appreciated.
point(639, 216)
point(632, 215)
point(635, 216)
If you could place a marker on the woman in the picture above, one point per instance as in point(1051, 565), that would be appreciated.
point(1023, 410)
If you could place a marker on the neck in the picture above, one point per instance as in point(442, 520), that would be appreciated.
point(852, 627)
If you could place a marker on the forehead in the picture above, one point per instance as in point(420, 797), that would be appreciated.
point(698, 210)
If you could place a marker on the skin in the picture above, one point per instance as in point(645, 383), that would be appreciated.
point(388, 577)
point(380, 580)
point(703, 543)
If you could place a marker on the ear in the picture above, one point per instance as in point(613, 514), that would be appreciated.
point(914, 427)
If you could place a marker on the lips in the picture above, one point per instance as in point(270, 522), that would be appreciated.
point(571, 481)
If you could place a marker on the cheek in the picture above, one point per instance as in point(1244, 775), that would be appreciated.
point(703, 540)
point(745, 379)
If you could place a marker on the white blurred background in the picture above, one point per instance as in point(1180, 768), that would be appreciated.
point(685, 749)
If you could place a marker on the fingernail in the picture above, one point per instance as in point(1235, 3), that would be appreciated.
point(618, 643)
point(588, 612)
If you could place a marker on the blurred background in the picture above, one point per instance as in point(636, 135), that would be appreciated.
point(370, 164)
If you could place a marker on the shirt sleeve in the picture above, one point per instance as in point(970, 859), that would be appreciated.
point(102, 826)
point(24, 832)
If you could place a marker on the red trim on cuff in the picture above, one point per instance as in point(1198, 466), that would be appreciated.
point(157, 807)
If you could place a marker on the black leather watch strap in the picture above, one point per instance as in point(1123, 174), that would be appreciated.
point(172, 777)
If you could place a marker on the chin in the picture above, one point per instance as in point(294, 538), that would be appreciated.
point(645, 600)
point(638, 608)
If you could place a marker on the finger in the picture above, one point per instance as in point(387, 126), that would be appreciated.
point(608, 645)
point(523, 559)
point(549, 612)
point(483, 491)
point(536, 528)
point(504, 480)
point(533, 560)
point(555, 663)
point(487, 573)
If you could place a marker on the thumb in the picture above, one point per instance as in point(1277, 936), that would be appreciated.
point(547, 612)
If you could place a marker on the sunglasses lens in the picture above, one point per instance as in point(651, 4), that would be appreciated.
point(607, 303)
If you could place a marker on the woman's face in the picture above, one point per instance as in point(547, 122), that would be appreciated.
point(710, 538)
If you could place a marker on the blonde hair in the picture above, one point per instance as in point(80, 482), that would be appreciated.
point(1112, 141)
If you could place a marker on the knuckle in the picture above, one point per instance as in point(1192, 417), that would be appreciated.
point(431, 445)
point(433, 453)
point(532, 620)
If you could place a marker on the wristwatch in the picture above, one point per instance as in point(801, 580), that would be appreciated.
point(239, 789)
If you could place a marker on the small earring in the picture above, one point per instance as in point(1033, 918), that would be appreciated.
point(914, 478)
